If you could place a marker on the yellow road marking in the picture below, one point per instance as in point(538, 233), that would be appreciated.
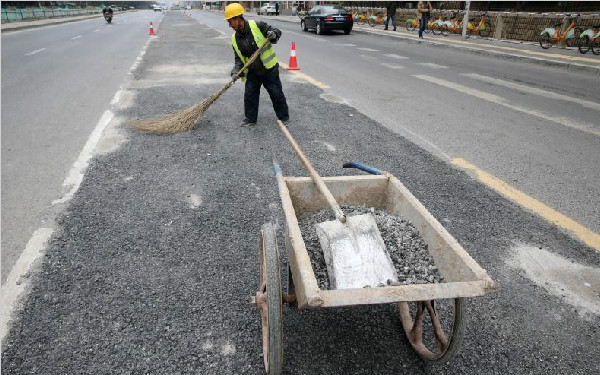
point(588, 237)
point(308, 78)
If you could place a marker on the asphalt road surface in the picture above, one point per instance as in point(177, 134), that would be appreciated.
point(57, 81)
point(150, 265)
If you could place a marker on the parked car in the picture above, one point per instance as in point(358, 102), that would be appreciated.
point(157, 8)
point(267, 9)
point(327, 17)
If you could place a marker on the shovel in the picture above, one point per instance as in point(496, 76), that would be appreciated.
point(354, 251)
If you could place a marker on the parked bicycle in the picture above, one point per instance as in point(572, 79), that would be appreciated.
point(553, 35)
point(482, 27)
point(377, 19)
point(589, 40)
point(359, 17)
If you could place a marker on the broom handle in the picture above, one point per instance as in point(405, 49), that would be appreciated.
point(315, 176)
point(253, 58)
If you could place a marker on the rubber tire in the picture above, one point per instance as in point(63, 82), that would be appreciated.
point(410, 26)
point(595, 46)
point(574, 42)
point(303, 25)
point(319, 28)
point(371, 22)
point(485, 32)
point(545, 41)
point(584, 45)
point(347, 31)
point(445, 31)
point(270, 255)
point(457, 334)
point(436, 30)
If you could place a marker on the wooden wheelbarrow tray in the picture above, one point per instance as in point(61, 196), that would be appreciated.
point(463, 276)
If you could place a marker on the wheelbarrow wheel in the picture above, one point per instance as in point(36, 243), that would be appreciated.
point(269, 301)
point(437, 339)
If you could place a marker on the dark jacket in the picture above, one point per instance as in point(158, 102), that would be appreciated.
point(107, 10)
point(391, 7)
point(247, 47)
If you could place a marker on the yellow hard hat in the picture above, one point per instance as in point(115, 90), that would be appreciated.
point(233, 10)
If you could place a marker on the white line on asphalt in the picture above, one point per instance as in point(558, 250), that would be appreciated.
point(95, 31)
point(394, 56)
point(348, 45)
point(16, 285)
point(75, 177)
point(434, 66)
point(368, 49)
point(368, 57)
point(77, 37)
point(34, 52)
point(392, 66)
point(533, 90)
point(584, 127)
point(18, 278)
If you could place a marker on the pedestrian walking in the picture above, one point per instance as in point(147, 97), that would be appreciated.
point(423, 12)
point(391, 14)
point(276, 9)
point(249, 36)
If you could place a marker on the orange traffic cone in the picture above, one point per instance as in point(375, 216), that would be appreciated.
point(293, 65)
point(151, 29)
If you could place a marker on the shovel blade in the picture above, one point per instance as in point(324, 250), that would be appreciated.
point(355, 253)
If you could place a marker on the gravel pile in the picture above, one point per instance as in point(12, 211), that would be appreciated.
point(407, 249)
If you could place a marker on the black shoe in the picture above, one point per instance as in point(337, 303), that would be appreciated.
point(394, 29)
point(247, 122)
point(385, 28)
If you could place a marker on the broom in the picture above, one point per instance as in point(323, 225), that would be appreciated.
point(186, 120)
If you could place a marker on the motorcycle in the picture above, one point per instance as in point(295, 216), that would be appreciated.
point(108, 17)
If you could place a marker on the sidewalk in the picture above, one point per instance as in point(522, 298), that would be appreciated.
point(568, 58)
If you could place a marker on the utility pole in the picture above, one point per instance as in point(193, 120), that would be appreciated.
point(466, 20)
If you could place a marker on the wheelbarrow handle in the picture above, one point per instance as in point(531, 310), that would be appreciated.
point(363, 167)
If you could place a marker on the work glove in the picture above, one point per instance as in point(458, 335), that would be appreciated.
point(271, 35)
point(234, 76)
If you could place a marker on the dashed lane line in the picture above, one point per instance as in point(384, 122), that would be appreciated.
point(77, 37)
point(392, 66)
point(590, 238)
point(584, 127)
point(394, 56)
point(368, 49)
point(434, 66)
point(34, 52)
point(533, 90)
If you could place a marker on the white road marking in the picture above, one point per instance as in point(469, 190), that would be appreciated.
point(394, 56)
point(533, 90)
point(16, 285)
point(77, 37)
point(18, 278)
point(368, 49)
point(34, 52)
point(95, 31)
point(392, 66)
point(348, 45)
point(368, 57)
point(584, 127)
point(434, 66)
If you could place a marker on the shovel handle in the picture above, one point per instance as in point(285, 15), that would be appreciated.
point(339, 214)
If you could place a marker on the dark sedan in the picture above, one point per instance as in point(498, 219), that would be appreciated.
point(327, 17)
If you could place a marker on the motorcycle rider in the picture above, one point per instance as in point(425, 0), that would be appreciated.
point(107, 10)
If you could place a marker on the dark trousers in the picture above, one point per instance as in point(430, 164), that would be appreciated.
point(272, 83)
point(390, 17)
point(423, 24)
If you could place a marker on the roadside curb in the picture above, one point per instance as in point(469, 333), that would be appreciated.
point(574, 66)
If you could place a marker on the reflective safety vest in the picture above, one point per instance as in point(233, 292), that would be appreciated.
point(268, 57)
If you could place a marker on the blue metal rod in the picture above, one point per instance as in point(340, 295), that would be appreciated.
point(364, 168)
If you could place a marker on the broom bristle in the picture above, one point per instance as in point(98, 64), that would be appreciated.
point(179, 122)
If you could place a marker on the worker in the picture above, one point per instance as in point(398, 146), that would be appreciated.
point(264, 71)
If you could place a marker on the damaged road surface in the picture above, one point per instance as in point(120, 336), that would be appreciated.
point(152, 263)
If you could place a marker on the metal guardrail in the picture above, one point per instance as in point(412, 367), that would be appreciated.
point(12, 15)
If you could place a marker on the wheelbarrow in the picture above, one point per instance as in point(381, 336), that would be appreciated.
point(434, 338)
